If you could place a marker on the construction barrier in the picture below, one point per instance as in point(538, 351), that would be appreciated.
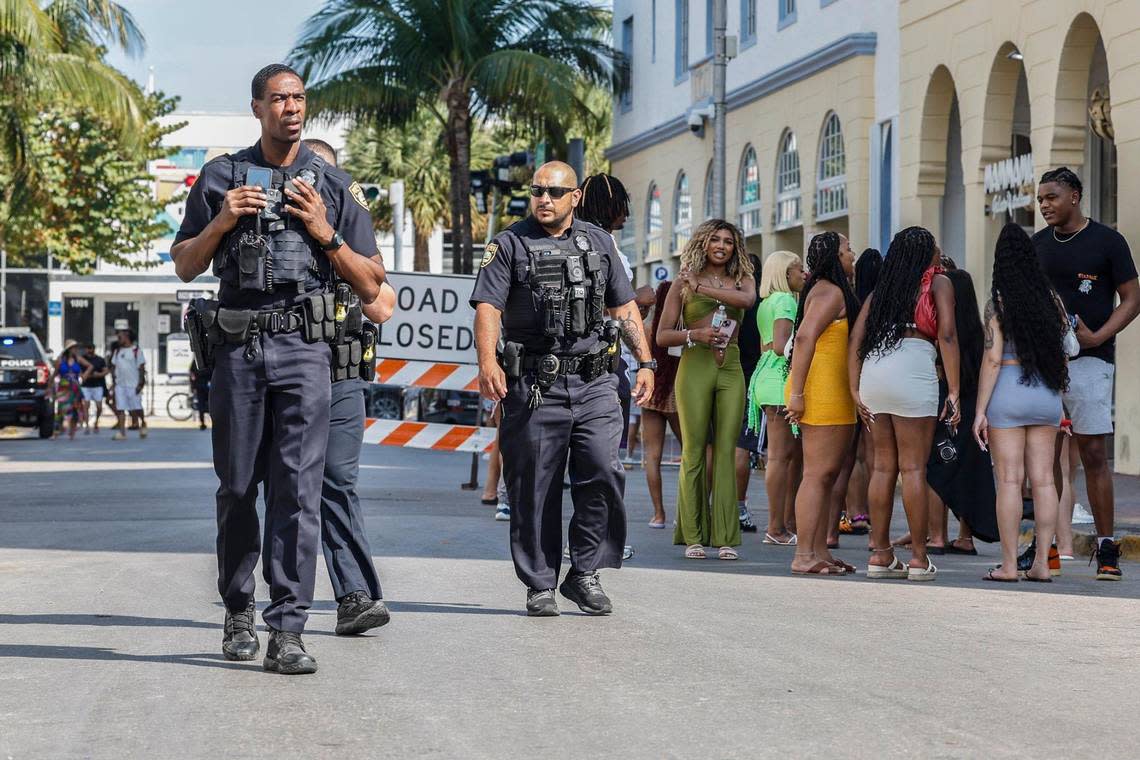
point(428, 435)
point(441, 375)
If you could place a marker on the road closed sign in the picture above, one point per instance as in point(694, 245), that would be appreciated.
point(433, 320)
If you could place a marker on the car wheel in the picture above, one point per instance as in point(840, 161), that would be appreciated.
point(47, 424)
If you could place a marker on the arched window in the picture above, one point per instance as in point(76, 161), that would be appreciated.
point(627, 238)
point(749, 205)
point(788, 183)
point(653, 224)
point(831, 189)
point(682, 214)
point(708, 194)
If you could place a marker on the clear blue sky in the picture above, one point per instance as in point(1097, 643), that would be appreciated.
point(207, 51)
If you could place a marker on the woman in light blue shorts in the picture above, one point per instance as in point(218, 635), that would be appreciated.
point(1024, 372)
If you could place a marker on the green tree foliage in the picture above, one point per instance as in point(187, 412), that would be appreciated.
point(465, 61)
point(92, 197)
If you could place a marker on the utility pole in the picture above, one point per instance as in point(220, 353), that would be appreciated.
point(720, 64)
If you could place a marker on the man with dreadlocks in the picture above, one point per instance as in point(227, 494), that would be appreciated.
point(548, 284)
point(1089, 265)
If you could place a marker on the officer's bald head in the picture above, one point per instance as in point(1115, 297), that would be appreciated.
point(556, 173)
point(554, 195)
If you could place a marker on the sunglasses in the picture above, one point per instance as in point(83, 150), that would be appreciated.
point(556, 193)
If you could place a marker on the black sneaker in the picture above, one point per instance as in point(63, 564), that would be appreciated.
point(1107, 558)
point(585, 590)
point(541, 603)
point(747, 524)
point(358, 612)
point(285, 654)
point(239, 640)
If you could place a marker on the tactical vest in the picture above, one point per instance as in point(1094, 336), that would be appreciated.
point(272, 251)
point(567, 285)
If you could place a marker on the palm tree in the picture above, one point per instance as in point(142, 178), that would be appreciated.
point(381, 61)
point(54, 55)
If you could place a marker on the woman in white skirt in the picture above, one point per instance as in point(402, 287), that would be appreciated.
point(894, 347)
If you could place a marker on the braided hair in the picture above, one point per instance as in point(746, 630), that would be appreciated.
point(1065, 176)
point(1026, 308)
point(824, 266)
point(667, 364)
point(896, 293)
point(971, 338)
point(604, 201)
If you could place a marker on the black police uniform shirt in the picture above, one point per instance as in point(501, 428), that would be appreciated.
point(1085, 272)
point(505, 267)
point(347, 212)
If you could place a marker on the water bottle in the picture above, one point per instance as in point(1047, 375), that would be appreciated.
point(719, 317)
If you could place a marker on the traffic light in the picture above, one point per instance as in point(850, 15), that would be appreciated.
point(518, 207)
point(372, 193)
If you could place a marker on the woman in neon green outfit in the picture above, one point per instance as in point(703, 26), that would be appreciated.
point(782, 280)
point(716, 277)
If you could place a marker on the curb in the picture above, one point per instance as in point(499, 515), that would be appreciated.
point(1085, 543)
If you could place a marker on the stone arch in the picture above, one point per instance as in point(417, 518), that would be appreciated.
point(1071, 116)
point(1001, 96)
point(940, 181)
point(933, 131)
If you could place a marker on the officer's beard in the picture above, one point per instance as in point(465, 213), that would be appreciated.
point(558, 224)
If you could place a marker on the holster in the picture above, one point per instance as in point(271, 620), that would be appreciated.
point(200, 318)
point(510, 359)
point(368, 336)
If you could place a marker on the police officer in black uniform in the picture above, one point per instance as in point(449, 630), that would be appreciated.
point(550, 282)
point(348, 555)
point(279, 227)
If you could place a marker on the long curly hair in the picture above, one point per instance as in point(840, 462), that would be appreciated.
point(971, 337)
point(823, 265)
point(694, 257)
point(896, 293)
point(867, 268)
point(667, 364)
point(1027, 310)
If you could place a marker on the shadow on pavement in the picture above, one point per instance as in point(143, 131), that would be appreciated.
point(40, 652)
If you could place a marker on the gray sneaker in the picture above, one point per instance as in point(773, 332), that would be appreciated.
point(541, 603)
point(503, 512)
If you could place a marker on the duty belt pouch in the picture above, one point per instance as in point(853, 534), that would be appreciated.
point(511, 359)
point(320, 322)
point(354, 353)
point(368, 352)
point(234, 326)
point(200, 317)
point(341, 355)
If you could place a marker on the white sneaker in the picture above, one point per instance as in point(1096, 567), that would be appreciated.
point(1081, 516)
point(503, 513)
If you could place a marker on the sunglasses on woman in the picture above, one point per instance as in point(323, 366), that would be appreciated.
point(556, 193)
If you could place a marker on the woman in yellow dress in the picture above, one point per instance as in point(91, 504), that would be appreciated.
point(817, 395)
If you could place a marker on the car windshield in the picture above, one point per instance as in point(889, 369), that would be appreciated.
point(17, 351)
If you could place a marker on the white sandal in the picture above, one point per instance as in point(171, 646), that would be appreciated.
point(770, 539)
point(694, 551)
point(727, 552)
point(922, 574)
point(894, 571)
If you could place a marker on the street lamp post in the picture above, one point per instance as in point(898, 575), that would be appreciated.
point(720, 64)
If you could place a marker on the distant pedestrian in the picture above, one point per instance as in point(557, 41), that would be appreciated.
point(128, 369)
point(200, 386)
point(69, 404)
point(659, 409)
point(95, 384)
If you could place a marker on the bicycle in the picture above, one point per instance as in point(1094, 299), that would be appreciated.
point(181, 406)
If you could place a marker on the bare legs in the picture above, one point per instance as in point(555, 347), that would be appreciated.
point(1068, 460)
point(780, 472)
point(1098, 481)
point(1016, 453)
point(825, 448)
point(495, 464)
point(901, 444)
point(653, 444)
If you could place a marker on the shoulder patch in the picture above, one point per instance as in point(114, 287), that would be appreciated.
point(357, 193)
point(489, 254)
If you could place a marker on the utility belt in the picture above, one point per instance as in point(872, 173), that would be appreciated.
point(354, 342)
point(210, 325)
point(516, 361)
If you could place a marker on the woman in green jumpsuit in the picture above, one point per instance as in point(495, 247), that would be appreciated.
point(716, 276)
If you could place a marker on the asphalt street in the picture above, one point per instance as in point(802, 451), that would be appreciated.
point(110, 637)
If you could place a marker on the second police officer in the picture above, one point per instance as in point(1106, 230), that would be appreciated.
point(279, 227)
point(554, 289)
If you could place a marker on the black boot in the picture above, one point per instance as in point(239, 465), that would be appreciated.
point(286, 654)
point(239, 642)
point(585, 590)
point(358, 612)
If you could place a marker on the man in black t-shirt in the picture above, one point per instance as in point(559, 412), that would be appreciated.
point(1089, 265)
point(95, 383)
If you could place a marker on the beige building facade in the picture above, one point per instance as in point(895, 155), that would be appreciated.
point(1004, 92)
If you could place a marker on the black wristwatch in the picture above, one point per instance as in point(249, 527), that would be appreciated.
point(336, 242)
point(651, 364)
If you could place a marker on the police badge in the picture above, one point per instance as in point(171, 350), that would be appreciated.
point(489, 254)
point(357, 193)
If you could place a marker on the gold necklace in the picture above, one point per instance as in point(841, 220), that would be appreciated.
point(1070, 237)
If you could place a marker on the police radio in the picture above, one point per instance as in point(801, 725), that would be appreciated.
point(253, 246)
